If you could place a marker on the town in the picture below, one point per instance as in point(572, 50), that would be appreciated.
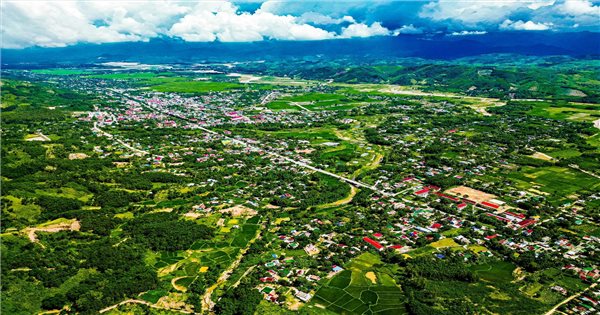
point(234, 193)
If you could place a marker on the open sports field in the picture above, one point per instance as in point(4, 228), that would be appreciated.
point(470, 193)
point(361, 289)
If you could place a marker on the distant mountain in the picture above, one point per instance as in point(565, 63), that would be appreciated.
point(579, 44)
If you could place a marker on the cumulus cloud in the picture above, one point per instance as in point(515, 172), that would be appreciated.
point(364, 30)
point(524, 26)
point(321, 19)
point(408, 29)
point(49, 25)
point(61, 23)
point(222, 22)
point(529, 15)
point(580, 7)
point(470, 13)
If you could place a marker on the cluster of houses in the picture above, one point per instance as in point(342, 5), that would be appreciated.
point(401, 220)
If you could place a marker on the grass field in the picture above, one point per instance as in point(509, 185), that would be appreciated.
point(498, 271)
point(575, 112)
point(153, 296)
point(445, 242)
point(197, 87)
point(555, 180)
point(60, 71)
point(131, 75)
point(244, 235)
point(314, 102)
point(19, 210)
point(361, 289)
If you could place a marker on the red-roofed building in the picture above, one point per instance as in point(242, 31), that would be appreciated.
point(461, 206)
point(503, 219)
point(447, 197)
point(469, 201)
point(516, 215)
point(491, 237)
point(435, 226)
point(267, 279)
point(378, 235)
point(490, 205)
point(373, 242)
point(396, 246)
point(423, 192)
point(526, 223)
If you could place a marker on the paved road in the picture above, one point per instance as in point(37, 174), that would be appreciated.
point(110, 136)
point(274, 154)
point(567, 300)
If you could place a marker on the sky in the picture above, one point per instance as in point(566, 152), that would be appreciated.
point(64, 23)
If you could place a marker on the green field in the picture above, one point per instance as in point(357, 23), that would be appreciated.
point(575, 112)
point(498, 271)
point(131, 75)
point(197, 87)
point(314, 102)
point(558, 181)
point(60, 71)
point(361, 289)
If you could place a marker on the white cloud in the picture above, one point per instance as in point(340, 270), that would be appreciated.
point(471, 13)
point(536, 5)
point(408, 29)
point(320, 19)
point(364, 30)
point(62, 23)
point(580, 7)
point(465, 33)
point(225, 24)
point(524, 26)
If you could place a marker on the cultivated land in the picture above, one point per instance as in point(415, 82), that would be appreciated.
point(385, 189)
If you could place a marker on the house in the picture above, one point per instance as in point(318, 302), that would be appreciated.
point(490, 205)
point(267, 279)
point(447, 196)
point(434, 227)
point(461, 206)
point(311, 249)
point(304, 297)
point(526, 223)
point(423, 192)
point(559, 289)
point(375, 244)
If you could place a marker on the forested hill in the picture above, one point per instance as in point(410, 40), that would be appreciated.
point(168, 50)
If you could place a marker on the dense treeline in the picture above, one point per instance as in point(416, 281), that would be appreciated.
point(165, 232)
point(241, 300)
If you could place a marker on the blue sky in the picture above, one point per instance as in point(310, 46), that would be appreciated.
point(63, 23)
